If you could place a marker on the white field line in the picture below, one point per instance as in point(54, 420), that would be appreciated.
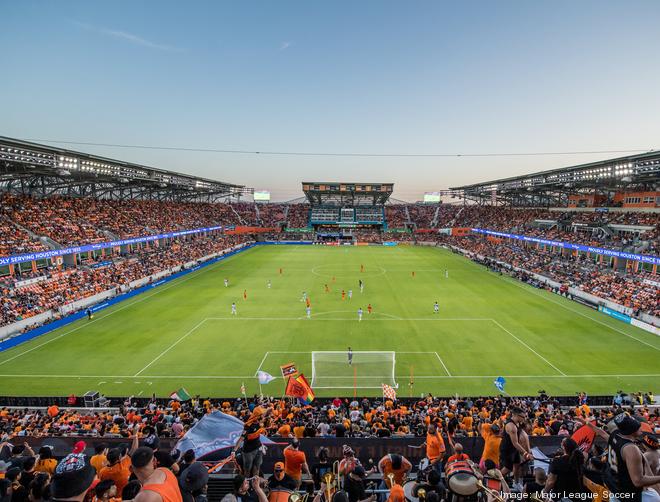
point(179, 340)
point(529, 348)
point(310, 351)
point(561, 304)
point(176, 282)
point(262, 363)
point(245, 377)
point(434, 319)
point(443, 363)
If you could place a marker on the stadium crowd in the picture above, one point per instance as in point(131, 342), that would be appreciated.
point(339, 417)
point(505, 424)
point(634, 290)
point(59, 288)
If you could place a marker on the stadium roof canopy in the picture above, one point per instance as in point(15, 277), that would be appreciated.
point(45, 170)
point(347, 193)
point(552, 188)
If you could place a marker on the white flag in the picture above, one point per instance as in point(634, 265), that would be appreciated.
point(264, 377)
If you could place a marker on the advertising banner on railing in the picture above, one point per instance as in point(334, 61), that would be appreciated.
point(40, 255)
point(644, 258)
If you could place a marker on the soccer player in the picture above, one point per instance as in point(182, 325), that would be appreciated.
point(436, 308)
point(226, 282)
point(446, 274)
point(233, 308)
point(308, 302)
point(350, 356)
point(245, 294)
point(413, 274)
point(369, 308)
point(343, 294)
point(281, 270)
point(361, 286)
point(90, 314)
point(304, 296)
point(350, 294)
point(309, 311)
point(360, 314)
point(361, 268)
point(268, 284)
point(327, 289)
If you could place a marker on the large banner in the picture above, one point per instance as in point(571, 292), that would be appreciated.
point(8, 260)
point(644, 258)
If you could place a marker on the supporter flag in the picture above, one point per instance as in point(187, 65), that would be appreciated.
point(389, 392)
point(180, 395)
point(264, 377)
point(214, 436)
point(298, 387)
point(499, 383)
point(584, 437)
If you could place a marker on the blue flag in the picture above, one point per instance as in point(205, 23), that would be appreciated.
point(214, 436)
point(499, 383)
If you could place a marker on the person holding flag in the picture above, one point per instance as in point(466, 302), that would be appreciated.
point(499, 383)
point(389, 392)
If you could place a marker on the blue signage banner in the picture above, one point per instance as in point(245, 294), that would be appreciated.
point(644, 258)
point(613, 313)
point(8, 260)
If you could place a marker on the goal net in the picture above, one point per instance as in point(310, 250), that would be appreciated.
point(367, 370)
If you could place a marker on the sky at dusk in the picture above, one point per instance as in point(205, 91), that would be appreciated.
point(378, 77)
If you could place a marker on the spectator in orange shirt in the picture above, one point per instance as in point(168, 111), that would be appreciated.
point(458, 455)
point(295, 462)
point(98, 460)
point(435, 446)
point(116, 470)
point(492, 440)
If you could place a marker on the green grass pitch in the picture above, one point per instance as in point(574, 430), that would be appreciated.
point(183, 334)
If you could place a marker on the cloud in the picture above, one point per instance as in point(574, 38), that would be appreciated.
point(128, 37)
point(285, 45)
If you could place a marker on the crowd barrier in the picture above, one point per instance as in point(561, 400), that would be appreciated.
point(370, 449)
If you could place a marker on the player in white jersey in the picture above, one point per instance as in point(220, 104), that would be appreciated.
point(268, 284)
point(446, 274)
point(233, 308)
point(226, 283)
point(436, 308)
point(309, 312)
point(304, 296)
point(360, 314)
point(350, 294)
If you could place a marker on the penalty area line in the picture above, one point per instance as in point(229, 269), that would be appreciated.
point(529, 348)
point(443, 363)
point(261, 364)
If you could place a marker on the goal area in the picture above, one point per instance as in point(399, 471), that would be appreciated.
point(366, 370)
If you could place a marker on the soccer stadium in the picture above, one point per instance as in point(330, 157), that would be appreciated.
point(345, 332)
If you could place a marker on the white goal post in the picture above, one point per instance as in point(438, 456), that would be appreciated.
point(367, 369)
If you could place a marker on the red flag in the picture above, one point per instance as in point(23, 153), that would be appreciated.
point(584, 437)
point(300, 388)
